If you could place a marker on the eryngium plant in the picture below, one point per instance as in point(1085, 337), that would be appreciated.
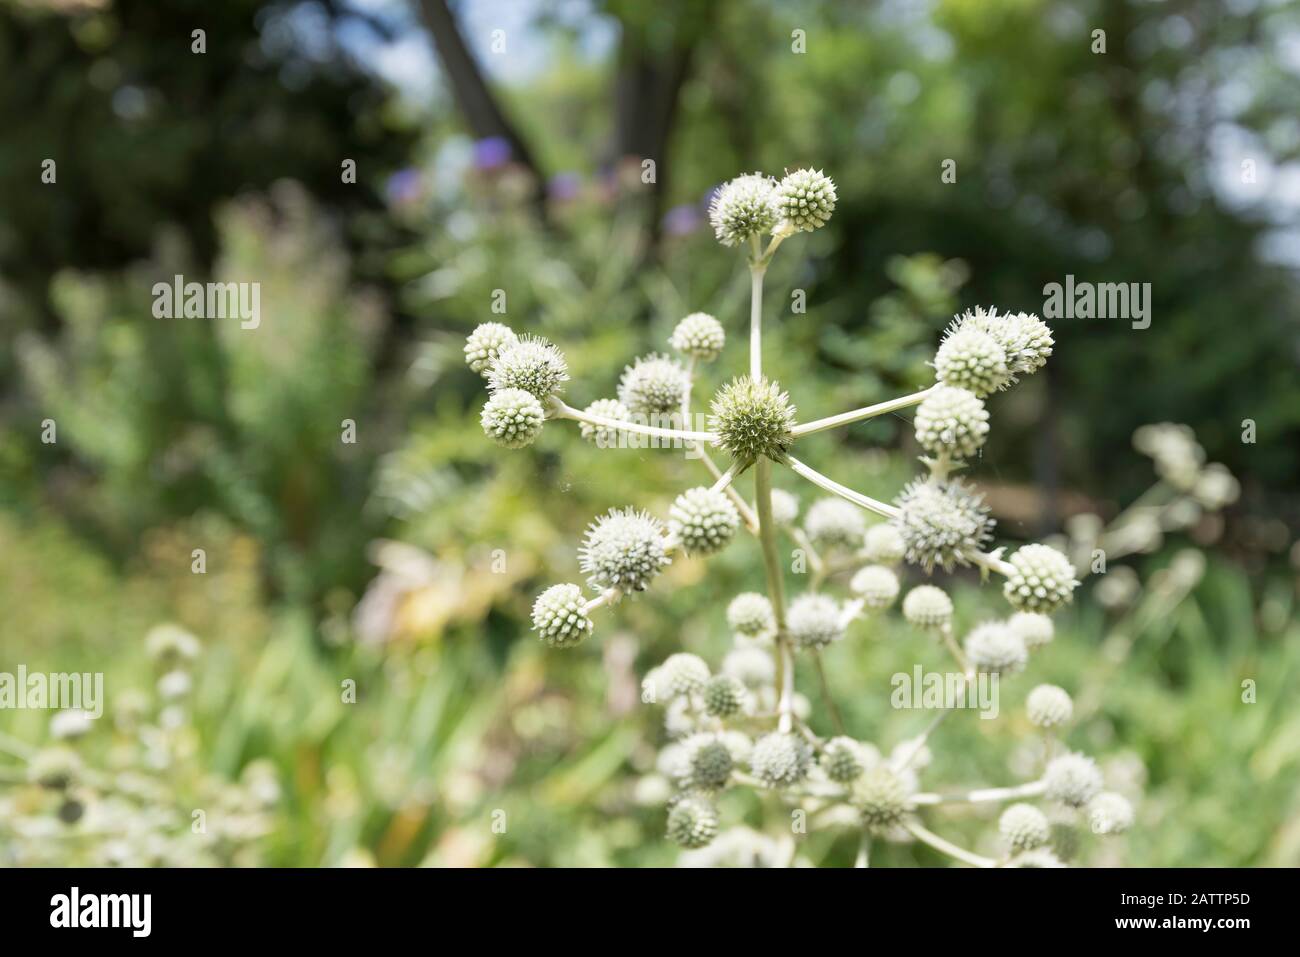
point(744, 725)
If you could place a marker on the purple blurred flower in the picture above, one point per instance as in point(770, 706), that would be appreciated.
point(491, 153)
point(404, 186)
point(564, 186)
point(681, 220)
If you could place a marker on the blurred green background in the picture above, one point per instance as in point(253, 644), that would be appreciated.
point(500, 146)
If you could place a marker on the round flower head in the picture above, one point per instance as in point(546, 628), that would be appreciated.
point(70, 724)
point(699, 336)
point(560, 617)
point(951, 421)
point(1025, 339)
point(1038, 857)
point(679, 720)
point(530, 363)
point(654, 385)
point(752, 667)
point(973, 360)
point(681, 674)
point(1024, 827)
point(927, 607)
point(692, 822)
point(940, 522)
point(724, 696)
point(739, 744)
point(512, 418)
point(833, 521)
point(706, 762)
point(1035, 629)
point(55, 769)
point(1110, 813)
point(1216, 487)
point(814, 621)
point(703, 520)
point(169, 645)
point(843, 760)
point(993, 647)
point(752, 418)
point(625, 549)
point(485, 343)
point(750, 614)
point(876, 585)
point(603, 436)
point(1043, 579)
point(780, 759)
point(1072, 779)
point(744, 207)
point(785, 507)
point(806, 198)
point(883, 545)
point(1049, 706)
point(881, 797)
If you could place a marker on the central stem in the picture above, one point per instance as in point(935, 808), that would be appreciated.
point(776, 592)
point(756, 322)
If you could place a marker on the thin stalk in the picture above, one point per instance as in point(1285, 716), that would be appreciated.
point(568, 412)
point(864, 850)
point(983, 795)
point(947, 847)
point(857, 498)
point(866, 412)
point(724, 480)
point(831, 706)
point(776, 591)
point(756, 322)
point(607, 597)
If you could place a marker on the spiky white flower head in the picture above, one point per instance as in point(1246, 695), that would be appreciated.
point(744, 207)
point(1036, 629)
point(624, 549)
point(876, 585)
point(692, 822)
point(703, 520)
point(56, 769)
point(883, 545)
point(882, 798)
point(70, 724)
point(175, 684)
point(951, 421)
point(700, 336)
point(681, 674)
point(485, 343)
point(780, 759)
point(927, 606)
point(1038, 857)
point(559, 616)
point(1043, 579)
point(679, 719)
point(1024, 827)
point(834, 522)
point(654, 385)
point(1072, 779)
point(843, 760)
point(752, 418)
point(806, 198)
point(1178, 456)
point(530, 363)
point(724, 696)
point(1025, 339)
point(973, 360)
point(752, 667)
point(785, 507)
point(512, 418)
point(1110, 813)
point(170, 644)
point(706, 763)
point(739, 744)
point(751, 615)
point(600, 435)
point(1049, 706)
point(940, 522)
point(993, 647)
point(1216, 487)
point(814, 621)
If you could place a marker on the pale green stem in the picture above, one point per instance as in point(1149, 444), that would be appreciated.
point(866, 412)
point(831, 706)
point(756, 322)
point(857, 498)
point(983, 795)
point(864, 851)
point(618, 425)
point(947, 847)
point(776, 591)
